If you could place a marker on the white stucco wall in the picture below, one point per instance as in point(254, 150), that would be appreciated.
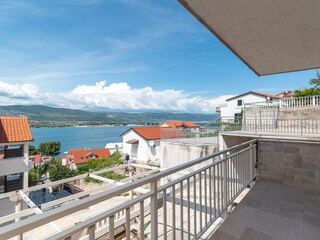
point(144, 151)
point(175, 153)
point(232, 105)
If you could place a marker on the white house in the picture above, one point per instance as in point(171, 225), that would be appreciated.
point(236, 103)
point(142, 143)
point(14, 137)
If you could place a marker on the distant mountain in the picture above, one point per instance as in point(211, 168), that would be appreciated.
point(44, 113)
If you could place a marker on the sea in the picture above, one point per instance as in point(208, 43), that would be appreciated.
point(79, 137)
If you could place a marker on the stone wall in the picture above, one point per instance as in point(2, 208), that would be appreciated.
point(292, 163)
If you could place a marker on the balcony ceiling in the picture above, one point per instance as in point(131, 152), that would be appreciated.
point(269, 36)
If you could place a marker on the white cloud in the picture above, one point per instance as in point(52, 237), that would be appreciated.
point(115, 96)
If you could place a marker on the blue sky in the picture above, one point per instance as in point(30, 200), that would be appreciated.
point(135, 55)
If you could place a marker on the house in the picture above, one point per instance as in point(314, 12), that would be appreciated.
point(236, 104)
point(285, 94)
point(15, 134)
point(83, 155)
point(179, 124)
point(143, 143)
point(34, 160)
point(38, 159)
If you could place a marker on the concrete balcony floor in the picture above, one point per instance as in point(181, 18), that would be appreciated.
point(272, 211)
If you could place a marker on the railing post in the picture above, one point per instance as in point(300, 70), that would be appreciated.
point(91, 232)
point(301, 126)
point(225, 183)
point(154, 210)
point(255, 125)
point(313, 100)
point(18, 208)
point(251, 158)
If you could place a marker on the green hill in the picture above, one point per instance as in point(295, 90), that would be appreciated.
point(44, 113)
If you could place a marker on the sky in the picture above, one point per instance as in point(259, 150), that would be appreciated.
point(120, 55)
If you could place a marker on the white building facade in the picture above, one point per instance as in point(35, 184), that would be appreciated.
point(140, 146)
point(14, 159)
point(236, 104)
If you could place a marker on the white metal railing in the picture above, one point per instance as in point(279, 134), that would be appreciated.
point(307, 101)
point(293, 102)
point(193, 135)
point(299, 125)
point(182, 208)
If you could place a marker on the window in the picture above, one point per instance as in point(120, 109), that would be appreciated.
point(240, 102)
point(237, 117)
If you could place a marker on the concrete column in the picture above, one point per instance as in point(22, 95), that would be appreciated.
point(18, 208)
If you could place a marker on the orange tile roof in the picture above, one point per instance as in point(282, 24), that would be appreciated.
point(154, 133)
point(80, 155)
point(35, 158)
point(179, 124)
point(15, 129)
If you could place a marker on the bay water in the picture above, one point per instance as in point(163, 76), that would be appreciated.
point(79, 137)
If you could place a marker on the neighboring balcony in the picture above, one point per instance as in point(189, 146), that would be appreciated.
point(11, 151)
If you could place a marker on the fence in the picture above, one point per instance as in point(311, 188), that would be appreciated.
point(302, 126)
point(293, 102)
point(183, 208)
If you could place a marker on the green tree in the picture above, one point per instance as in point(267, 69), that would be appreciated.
point(314, 90)
point(113, 160)
point(50, 148)
point(32, 175)
point(32, 150)
point(315, 81)
point(59, 172)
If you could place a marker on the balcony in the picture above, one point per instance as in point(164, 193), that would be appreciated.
point(201, 204)
point(11, 151)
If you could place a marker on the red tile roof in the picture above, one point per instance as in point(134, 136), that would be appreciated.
point(285, 94)
point(35, 158)
point(154, 133)
point(179, 124)
point(15, 129)
point(81, 155)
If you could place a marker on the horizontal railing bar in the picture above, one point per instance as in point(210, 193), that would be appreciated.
point(36, 221)
point(74, 229)
point(14, 216)
point(189, 175)
point(117, 223)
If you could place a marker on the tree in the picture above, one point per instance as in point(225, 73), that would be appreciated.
point(32, 175)
point(59, 172)
point(314, 90)
point(315, 81)
point(32, 150)
point(113, 160)
point(50, 148)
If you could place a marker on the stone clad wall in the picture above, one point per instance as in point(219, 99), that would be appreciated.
point(290, 163)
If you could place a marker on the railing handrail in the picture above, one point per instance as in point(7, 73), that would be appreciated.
point(292, 102)
point(104, 215)
point(49, 216)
